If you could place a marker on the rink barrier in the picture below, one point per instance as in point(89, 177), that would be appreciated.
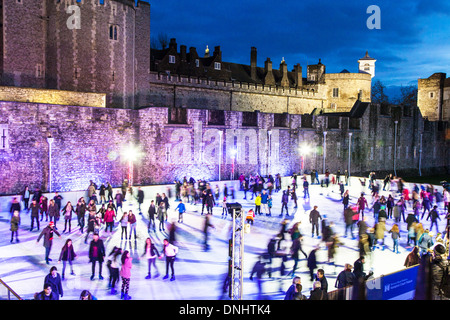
point(8, 293)
point(399, 285)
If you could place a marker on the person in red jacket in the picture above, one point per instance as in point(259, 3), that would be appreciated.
point(362, 203)
point(109, 218)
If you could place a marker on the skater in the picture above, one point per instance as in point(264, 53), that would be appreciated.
point(133, 222)
point(161, 215)
point(181, 208)
point(380, 229)
point(305, 188)
point(43, 205)
point(109, 218)
point(67, 255)
point(250, 217)
point(151, 215)
point(206, 226)
point(224, 208)
point(47, 233)
point(53, 212)
point(170, 251)
point(67, 211)
point(284, 203)
point(314, 217)
point(14, 228)
point(362, 204)
point(210, 203)
point(151, 253)
point(96, 254)
point(125, 273)
point(46, 294)
point(140, 199)
point(124, 224)
point(395, 233)
point(34, 214)
point(312, 263)
point(113, 266)
point(434, 215)
point(92, 222)
point(54, 279)
point(80, 211)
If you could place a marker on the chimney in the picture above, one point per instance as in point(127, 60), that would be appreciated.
point(283, 70)
point(193, 52)
point(173, 44)
point(218, 53)
point(269, 78)
point(253, 63)
point(183, 52)
point(298, 77)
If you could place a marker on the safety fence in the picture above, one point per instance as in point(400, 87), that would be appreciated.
point(6, 293)
point(400, 285)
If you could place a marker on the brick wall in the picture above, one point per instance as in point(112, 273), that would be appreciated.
point(88, 145)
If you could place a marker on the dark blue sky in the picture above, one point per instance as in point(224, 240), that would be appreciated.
point(413, 41)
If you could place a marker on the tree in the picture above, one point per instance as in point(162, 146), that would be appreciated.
point(161, 43)
point(378, 93)
point(408, 96)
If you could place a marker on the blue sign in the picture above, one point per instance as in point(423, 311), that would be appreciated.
point(397, 286)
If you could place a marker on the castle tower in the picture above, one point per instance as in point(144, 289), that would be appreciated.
point(432, 98)
point(367, 64)
point(101, 47)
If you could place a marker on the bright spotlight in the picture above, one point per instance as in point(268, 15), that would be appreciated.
point(131, 152)
point(305, 149)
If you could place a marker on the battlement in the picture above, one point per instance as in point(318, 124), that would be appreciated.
point(50, 96)
point(307, 91)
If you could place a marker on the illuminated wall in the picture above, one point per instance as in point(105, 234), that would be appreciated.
point(89, 144)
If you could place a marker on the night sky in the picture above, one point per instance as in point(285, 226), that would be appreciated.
point(413, 41)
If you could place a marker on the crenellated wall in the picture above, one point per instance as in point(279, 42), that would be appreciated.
point(89, 143)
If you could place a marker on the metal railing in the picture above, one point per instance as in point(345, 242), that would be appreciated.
point(6, 293)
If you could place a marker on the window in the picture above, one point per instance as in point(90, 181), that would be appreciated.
point(39, 71)
point(4, 136)
point(113, 32)
point(280, 120)
point(333, 106)
point(216, 117)
point(197, 63)
point(177, 116)
point(335, 92)
point(249, 119)
point(431, 95)
point(313, 77)
point(371, 154)
point(217, 66)
point(171, 59)
point(76, 72)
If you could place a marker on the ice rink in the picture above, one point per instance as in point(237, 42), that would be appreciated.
point(199, 274)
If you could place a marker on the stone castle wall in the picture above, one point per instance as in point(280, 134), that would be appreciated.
point(49, 96)
point(88, 144)
point(43, 49)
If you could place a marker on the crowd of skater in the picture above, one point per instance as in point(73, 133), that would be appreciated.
point(386, 199)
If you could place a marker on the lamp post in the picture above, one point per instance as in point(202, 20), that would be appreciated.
point(349, 152)
point(131, 153)
point(395, 146)
point(304, 149)
point(50, 142)
point(233, 153)
point(269, 142)
point(324, 149)
point(220, 150)
point(420, 155)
